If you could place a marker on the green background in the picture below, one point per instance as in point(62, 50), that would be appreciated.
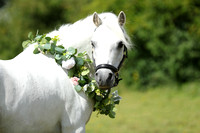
point(163, 66)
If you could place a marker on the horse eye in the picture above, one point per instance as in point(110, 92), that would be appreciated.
point(120, 45)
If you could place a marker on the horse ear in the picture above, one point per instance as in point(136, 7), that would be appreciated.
point(121, 18)
point(97, 21)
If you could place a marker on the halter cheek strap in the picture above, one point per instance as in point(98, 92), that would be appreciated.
point(124, 57)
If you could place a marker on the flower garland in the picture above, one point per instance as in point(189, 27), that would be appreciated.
point(76, 64)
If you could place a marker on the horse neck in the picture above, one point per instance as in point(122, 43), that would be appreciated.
point(77, 35)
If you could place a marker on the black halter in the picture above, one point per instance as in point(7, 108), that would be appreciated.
point(113, 68)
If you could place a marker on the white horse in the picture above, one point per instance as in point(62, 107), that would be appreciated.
point(37, 96)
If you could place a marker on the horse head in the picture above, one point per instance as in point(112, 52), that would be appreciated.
point(109, 43)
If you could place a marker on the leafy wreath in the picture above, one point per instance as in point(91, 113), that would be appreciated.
point(76, 63)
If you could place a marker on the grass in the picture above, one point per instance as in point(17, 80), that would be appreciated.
point(169, 109)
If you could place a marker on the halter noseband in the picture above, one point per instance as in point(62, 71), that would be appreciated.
point(113, 68)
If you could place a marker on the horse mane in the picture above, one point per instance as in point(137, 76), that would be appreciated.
point(80, 32)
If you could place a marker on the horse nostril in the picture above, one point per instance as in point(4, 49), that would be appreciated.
point(110, 76)
point(96, 74)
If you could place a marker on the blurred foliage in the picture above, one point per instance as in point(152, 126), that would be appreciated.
point(2, 3)
point(167, 41)
point(166, 34)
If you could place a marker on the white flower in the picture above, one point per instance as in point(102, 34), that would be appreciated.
point(68, 64)
point(85, 87)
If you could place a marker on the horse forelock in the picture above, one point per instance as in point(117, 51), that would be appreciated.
point(111, 21)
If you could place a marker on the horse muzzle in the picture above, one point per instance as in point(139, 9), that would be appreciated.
point(105, 78)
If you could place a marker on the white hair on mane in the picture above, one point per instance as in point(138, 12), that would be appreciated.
point(80, 32)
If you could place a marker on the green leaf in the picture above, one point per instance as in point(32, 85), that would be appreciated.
point(47, 46)
point(112, 114)
point(90, 89)
point(116, 102)
point(96, 104)
point(72, 51)
point(48, 39)
point(88, 60)
point(26, 43)
point(61, 46)
point(43, 41)
point(91, 95)
point(52, 50)
point(59, 62)
point(67, 56)
point(108, 107)
point(78, 88)
point(30, 35)
point(56, 38)
point(93, 87)
point(79, 61)
point(85, 72)
point(58, 57)
point(63, 57)
point(80, 54)
point(38, 38)
point(117, 98)
point(82, 81)
point(71, 72)
point(59, 50)
point(36, 51)
point(98, 98)
point(105, 101)
point(41, 47)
